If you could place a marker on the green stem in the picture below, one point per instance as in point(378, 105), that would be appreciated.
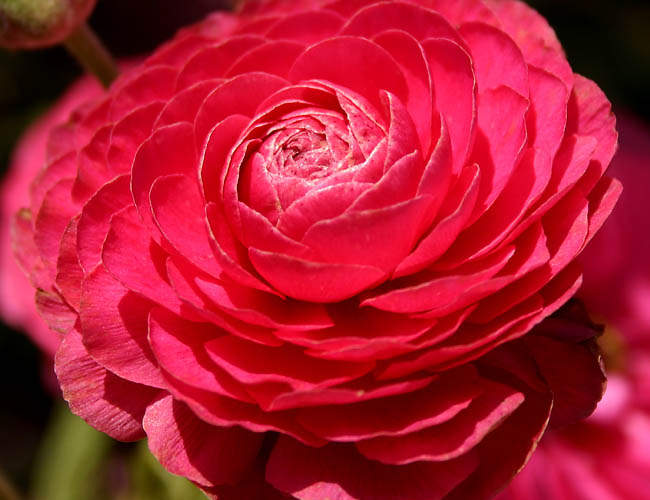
point(7, 490)
point(88, 49)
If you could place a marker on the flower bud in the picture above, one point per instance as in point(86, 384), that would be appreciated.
point(29, 24)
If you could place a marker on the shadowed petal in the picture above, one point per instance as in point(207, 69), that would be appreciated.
point(339, 471)
point(189, 447)
point(107, 402)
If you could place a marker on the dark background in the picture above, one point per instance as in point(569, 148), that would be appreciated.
point(606, 41)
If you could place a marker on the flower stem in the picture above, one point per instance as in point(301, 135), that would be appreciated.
point(90, 52)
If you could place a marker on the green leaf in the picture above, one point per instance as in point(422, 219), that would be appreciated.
point(150, 481)
point(69, 459)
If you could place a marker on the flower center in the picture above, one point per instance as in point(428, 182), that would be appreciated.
point(299, 157)
point(305, 155)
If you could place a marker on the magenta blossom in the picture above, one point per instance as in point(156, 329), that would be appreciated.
point(299, 248)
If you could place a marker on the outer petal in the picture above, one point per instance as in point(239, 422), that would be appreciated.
point(428, 291)
point(136, 261)
point(189, 447)
point(179, 349)
point(409, 54)
point(400, 415)
point(590, 113)
point(275, 58)
point(25, 252)
point(52, 220)
point(522, 431)
point(253, 364)
point(339, 471)
point(58, 315)
point(311, 26)
point(185, 104)
point(534, 36)
point(105, 401)
point(155, 83)
point(454, 215)
point(95, 218)
point(450, 439)
point(69, 272)
point(212, 62)
point(573, 372)
point(417, 20)
point(127, 135)
point(170, 150)
point(546, 120)
point(114, 323)
point(230, 253)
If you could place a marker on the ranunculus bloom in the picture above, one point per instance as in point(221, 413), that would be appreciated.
point(607, 457)
point(28, 24)
point(299, 248)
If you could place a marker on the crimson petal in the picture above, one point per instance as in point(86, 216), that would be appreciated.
point(314, 281)
point(339, 471)
point(364, 67)
point(198, 451)
point(107, 402)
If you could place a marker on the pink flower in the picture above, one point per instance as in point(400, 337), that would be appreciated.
point(607, 457)
point(299, 248)
point(16, 292)
point(28, 24)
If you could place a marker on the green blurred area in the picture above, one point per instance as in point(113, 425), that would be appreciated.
point(53, 455)
point(76, 462)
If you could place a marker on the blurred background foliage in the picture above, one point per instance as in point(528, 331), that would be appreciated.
point(48, 454)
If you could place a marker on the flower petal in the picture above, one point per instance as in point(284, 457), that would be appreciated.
point(339, 471)
point(380, 238)
point(105, 401)
point(448, 439)
point(212, 62)
point(363, 67)
point(314, 281)
point(114, 324)
point(136, 261)
point(274, 58)
point(454, 86)
point(441, 401)
point(310, 26)
point(181, 219)
point(169, 150)
point(189, 447)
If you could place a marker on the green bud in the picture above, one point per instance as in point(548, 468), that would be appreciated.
point(39, 23)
